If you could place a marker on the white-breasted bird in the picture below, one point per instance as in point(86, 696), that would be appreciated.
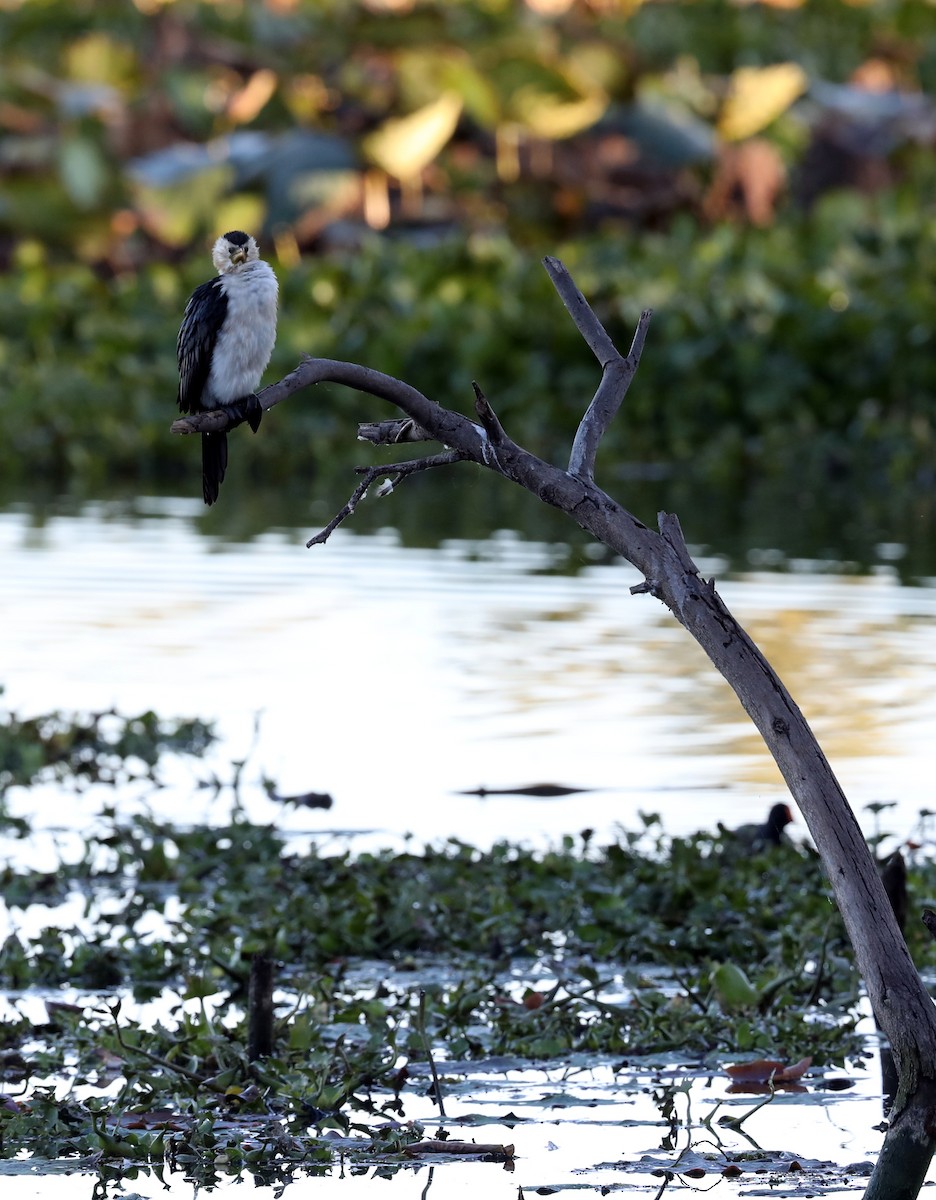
point(225, 341)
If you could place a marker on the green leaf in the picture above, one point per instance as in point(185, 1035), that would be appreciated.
point(83, 171)
point(733, 988)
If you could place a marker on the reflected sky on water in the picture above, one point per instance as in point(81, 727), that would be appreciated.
point(395, 678)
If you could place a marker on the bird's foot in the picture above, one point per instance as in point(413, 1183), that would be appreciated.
point(254, 412)
point(247, 408)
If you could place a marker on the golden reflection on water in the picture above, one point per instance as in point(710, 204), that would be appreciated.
point(500, 673)
point(859, 664)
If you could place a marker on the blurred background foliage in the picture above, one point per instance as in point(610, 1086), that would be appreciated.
point(761, 174)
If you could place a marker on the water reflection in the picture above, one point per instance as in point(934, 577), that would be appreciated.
point(587, 1128)
point(395, 677)
point(788, 521)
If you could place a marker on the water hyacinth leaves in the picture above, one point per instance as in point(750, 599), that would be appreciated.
point(404, 146)
point(757, 96)
point(735, 992)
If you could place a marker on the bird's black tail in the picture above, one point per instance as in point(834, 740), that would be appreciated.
point(214, 457)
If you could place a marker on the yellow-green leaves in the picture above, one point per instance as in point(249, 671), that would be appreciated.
point(757, 96)
point(403, 146)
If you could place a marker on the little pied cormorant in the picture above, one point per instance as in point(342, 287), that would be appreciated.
point(225, 342)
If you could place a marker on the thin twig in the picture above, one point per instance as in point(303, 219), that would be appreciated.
point(342, 514)
point(394, 473)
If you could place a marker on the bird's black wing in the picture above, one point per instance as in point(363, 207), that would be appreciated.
point(204, 315)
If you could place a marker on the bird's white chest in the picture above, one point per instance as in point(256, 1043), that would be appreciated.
point(246, 339)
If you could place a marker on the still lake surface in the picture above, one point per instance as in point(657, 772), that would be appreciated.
point(397, 678)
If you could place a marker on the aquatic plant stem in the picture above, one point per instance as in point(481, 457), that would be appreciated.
point(421, 1022)
point(736, 1122)
point(175, 1068)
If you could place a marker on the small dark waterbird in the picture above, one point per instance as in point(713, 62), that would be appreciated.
point(759, 837)
point(227, 336)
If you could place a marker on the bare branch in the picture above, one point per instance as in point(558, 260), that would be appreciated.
point(394, 472)
point(362, 379)
point(595, 335)
point(247, 408)
point(439, 424)
point(215, 421)
point(616, 378)
point(616, 371)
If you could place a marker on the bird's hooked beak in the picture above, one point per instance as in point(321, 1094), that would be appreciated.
point(239, 255)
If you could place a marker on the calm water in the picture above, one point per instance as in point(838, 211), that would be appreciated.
point(579, 1133)
point(395, 678)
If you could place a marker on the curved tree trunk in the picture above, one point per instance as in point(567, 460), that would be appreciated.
point(901, 1004)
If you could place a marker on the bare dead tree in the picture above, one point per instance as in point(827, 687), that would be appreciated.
point(901, 1004)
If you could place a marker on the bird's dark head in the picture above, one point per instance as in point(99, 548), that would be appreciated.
point(232, 250)
point(779, 817)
